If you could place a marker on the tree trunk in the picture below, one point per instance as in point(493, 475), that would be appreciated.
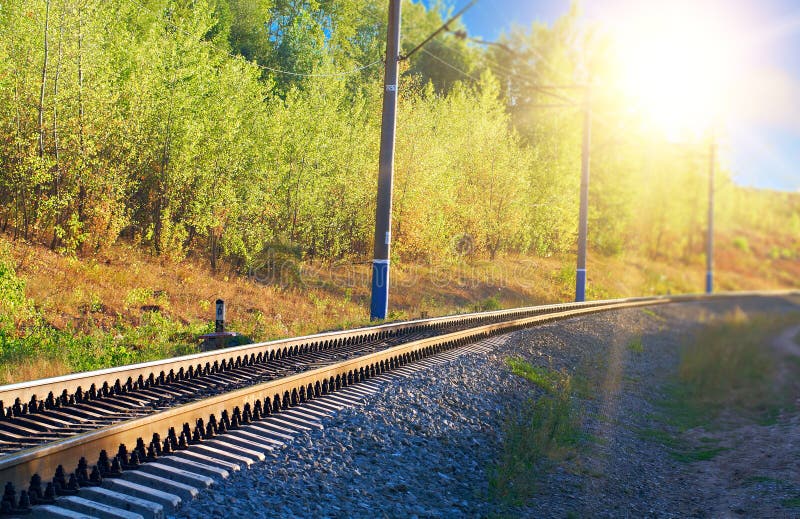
point(213, 238)
point(56, 151)
point(82, 193)
point(160, 183)
point(44, 79)
point(80, 80)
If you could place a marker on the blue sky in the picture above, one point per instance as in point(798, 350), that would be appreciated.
point(762, 149)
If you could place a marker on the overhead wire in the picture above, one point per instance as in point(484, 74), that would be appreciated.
point(510, 74)
point(448, 64)
point(443, 27)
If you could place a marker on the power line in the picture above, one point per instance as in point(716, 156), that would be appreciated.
point(444, 27)
point(543, 89)
point(440, 60)
point(509, 74)
point(263, 67)
point(461, 34)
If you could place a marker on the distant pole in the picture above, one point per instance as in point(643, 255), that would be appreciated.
point(710, 238)
point(379, 304)
point(580, 274)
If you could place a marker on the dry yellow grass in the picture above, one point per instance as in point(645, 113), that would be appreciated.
point(32, 369)
point(97, 293)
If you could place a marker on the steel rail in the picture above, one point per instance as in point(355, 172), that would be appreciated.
point(40, 421)
point(278, 394)
point(24, 391)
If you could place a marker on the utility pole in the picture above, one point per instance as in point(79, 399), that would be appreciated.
point(379, 303)
point(712, 152)
point(583, 215)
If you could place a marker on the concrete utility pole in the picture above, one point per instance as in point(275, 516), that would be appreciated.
point(379, 304)
point(580, 274)
point(712, 152)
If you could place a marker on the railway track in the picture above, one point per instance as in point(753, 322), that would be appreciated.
point(175, 424)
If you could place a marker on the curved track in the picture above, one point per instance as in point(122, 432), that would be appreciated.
point(131, 415)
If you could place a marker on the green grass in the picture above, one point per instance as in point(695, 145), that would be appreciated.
point(489, 304)
point(764, 479)
point(661, 437)
point(727, 367)
point(793, 502)
point(724, 368)
point(636, 345)
point(156, 337)
point(651, 313)
point(693, 455)
point(680, 449)
point(38, 349)
point(547, 429)
point(543, 378)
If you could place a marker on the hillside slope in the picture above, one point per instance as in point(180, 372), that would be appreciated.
point(127, 305)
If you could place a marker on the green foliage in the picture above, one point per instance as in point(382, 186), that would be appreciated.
point(793, 502)
point(741, 243)
point(14, 305)
point(171, 124)
point(543, 378)
point(679, 448)
point(156, 337)
point(488, 305)
point(636, 345)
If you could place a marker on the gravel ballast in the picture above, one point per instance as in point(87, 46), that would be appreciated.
point(424, 446)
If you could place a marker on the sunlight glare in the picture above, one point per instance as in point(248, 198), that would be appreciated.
point(677, 68)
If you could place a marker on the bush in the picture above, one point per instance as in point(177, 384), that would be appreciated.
point(14, 306)
point(741, 243)
point(490, 304)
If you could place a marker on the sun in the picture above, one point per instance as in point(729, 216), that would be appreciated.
point(677, 67)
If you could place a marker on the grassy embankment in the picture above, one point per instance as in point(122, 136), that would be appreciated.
point(727, 376)
point(61, 314)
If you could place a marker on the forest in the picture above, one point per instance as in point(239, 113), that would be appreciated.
point(223, 129)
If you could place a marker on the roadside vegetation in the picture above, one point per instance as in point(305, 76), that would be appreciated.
point(727, 376)
point(62, 314)
point(32, 348)
point(169, 125)
point(544, 431)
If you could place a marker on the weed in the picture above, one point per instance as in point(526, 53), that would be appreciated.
point(691, 456)
point(45, 351)
point(636, 345)
point(650, 313)
point(545, 430)
point(487, 305)
point(680, 449)
point(544, 378)
point(725, 366)
point(14, 306)
point(138, 297)
point(722, 368)
point(741, 243)
point(764, 479)
point(660, 436)
point(793, 502)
